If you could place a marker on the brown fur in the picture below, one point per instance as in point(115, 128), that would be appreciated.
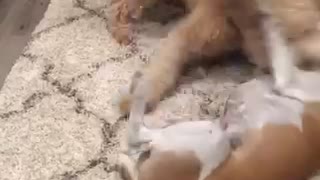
point(311, 124)
point(209, 29)
point(300, 19)
point(204, 32)
point(275, 152)
point(120, 25)
point(125, 12)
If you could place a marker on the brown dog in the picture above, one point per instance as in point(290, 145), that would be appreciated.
point(277, 134)
point(205, 31)
point(214, 27)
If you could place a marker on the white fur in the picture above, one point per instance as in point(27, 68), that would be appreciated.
point(205, 139)
point(290, 80)
point(254, 104)
point(281, 55)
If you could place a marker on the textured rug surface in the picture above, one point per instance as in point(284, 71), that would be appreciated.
point(57, 113)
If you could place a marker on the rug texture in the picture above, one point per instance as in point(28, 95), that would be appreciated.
point(58, 119)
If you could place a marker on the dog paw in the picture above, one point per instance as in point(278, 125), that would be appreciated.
point(126, 94)
point(125, 104)
point(122, 36)
point(126, 168)
point(123, 100)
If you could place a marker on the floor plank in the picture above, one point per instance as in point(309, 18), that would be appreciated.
point(18, 19)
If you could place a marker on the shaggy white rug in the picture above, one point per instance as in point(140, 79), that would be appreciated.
point(57, 113)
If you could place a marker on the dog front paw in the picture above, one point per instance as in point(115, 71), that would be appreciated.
point(122, 35)
point(124, 103)
point(126, 94)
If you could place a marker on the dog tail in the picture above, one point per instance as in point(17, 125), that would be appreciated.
point(282, 55)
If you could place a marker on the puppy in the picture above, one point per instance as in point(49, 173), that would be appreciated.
point(257, 112)
point(211, 34)
point(271, 146)
point(198, 146)
point(217, 27)
point(194, 142)
point(276, 134)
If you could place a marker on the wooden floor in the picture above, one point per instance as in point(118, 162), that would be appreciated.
point(17, 21)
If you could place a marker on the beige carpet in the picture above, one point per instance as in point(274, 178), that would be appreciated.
point(57, 114)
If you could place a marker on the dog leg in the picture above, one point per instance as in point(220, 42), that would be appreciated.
point(138, 136)
point(283, 58)
point(201, 32)
point(135, 124)
point(289, 80)
point(128, 167)
point(247, 16)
